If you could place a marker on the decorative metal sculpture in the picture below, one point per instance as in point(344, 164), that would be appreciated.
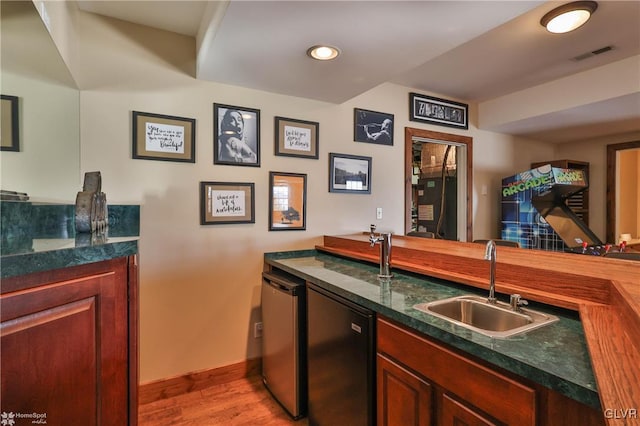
point(91, 205)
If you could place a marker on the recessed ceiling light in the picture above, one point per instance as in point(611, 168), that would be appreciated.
point(323, 53)
point(568, 17)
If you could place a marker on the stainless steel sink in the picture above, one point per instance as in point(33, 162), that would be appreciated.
point(499, 320)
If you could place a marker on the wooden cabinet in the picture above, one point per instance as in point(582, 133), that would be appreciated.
point(457, 413)
point(422, 382)
point(69, 344)
point(578, 203)
point(403, 397)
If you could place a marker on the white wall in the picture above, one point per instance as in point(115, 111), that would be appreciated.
point(199, 285)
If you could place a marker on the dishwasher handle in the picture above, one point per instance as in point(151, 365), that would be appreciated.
point(282, 284)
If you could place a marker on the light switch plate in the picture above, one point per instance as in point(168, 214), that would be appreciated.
point(379, 213)
point(257, 330)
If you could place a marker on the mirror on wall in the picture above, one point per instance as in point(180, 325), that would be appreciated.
point(623, 192)
point(438, 184)
point(47, 164)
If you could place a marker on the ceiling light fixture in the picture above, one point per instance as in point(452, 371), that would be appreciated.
point(323, 53)
point(568, 17)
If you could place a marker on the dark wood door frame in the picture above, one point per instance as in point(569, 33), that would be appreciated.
point(612, 150)
point(409, 134)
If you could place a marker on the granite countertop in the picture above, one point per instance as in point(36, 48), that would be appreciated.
point(555, 356)
point(39, 237)
point(55, 253)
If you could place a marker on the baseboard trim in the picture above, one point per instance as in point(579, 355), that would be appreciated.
point(174, 386)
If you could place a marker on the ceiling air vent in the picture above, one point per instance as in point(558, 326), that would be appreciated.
point(592, 53)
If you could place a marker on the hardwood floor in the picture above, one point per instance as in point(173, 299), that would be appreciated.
point(240, 402)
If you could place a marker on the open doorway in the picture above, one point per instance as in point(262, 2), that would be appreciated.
point(435, 188)
point(438, 184)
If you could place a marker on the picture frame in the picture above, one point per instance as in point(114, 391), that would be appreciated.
point(349, 173)
point(287, 201)
point(224, 203)
point(372, 127)
point(163, 137)
point(10, 123)
point(296, 138)
point(438, 111)
point(236, 134)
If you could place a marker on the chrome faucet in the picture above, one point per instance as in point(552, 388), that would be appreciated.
point(516, 301)
point(490, 255)
point(385, 251)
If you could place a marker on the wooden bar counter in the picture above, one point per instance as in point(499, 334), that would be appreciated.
point(605, 292)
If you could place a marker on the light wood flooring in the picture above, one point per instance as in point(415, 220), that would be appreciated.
point(240, 402)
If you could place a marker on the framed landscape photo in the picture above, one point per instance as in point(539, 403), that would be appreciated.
point(349, 173)
point(227, 202)
point(296, 138)
point(287, 201)
point(372, 127)
point(438, 111)
point(236, 134)
point(10, 123)
point(163, 137)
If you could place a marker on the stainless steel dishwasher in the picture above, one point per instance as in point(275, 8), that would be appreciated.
point(284, 342)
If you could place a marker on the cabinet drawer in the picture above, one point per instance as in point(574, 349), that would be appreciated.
point(501, 397)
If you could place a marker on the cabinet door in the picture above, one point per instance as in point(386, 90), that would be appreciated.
point(458, 414)
point(64, 350)
point(403, 398)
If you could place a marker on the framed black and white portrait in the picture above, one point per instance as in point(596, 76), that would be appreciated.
point(372, 127)
point(236, 133)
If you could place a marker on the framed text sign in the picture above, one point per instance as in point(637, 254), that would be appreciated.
point(296, 138)
point(438, 111)
point(226, 202)
point(163, 137)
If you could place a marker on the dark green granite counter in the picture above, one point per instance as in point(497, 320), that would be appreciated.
point(555, 356)
point(39, 237)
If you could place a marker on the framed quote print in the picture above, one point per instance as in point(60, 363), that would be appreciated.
point(227, 202)
point(296, 138)
point(163, 137)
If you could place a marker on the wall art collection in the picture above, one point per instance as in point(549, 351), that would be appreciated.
point(236, 142)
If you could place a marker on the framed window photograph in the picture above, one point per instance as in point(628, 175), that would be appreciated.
point(10, 124)
point(372, 127)
point(349, 173)
point(236, 133)
point(438, 111)
point(296, 138)
point(287, 201)
point(227, 202)
point(163, 137)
